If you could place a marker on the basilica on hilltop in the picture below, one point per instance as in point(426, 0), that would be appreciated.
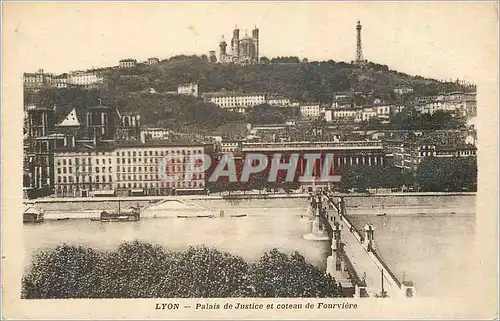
point(243, 51)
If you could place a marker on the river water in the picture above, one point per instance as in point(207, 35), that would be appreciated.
point(419, 236)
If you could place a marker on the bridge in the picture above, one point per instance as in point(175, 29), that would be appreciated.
point(354, 261)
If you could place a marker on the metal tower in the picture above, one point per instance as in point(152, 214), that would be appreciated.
point(359, 46)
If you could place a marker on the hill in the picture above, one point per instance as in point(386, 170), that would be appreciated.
point(128, 89)
point(301, 81)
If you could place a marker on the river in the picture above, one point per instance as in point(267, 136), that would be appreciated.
point(427, 239)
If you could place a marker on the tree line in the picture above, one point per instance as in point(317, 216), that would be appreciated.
point(453, 174)
point(143, 270)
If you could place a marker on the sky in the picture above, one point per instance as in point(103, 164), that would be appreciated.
point(438, 40)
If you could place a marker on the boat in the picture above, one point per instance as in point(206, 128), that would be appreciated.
point(33, 214)
point(133, 215)
point(62, 219)
point(197, 216)
point(239, 215)
point(209, 216)
point(382, 214)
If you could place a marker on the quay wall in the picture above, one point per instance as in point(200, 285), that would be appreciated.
point(234, 196)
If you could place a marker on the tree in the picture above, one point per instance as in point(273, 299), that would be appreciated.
point(447, 174)
point(64, 272)
point(264, 60)
point(277, 274)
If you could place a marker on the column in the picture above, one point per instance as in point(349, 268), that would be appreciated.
point(43, 123)
point(357, 160)
point(375, 159)
point(370, 160)
point(363, 159)
point(381, 160)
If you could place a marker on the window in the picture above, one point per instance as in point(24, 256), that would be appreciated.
point(64, 162)
point(110, 169)
point(103, 179)
point(58, 171)
point(64, 170)
point(118, 161)
point(69, 161)
point(97, 161)
point(97, 169)
point(70, 170)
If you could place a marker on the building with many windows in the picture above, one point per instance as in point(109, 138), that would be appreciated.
point(152, 61)
point(128, 168)
point(127, 63)
point(310, 110)
point(278, 101)
point(38, 80)
point(457, 103)
point(86, 79)
point(151, 133)
point(408, 155)
point(234, 101)
point(84, 171)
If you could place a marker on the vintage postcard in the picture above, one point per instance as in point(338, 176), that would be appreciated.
point(249, 160)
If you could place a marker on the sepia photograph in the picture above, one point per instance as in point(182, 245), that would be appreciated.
point(250, 160)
